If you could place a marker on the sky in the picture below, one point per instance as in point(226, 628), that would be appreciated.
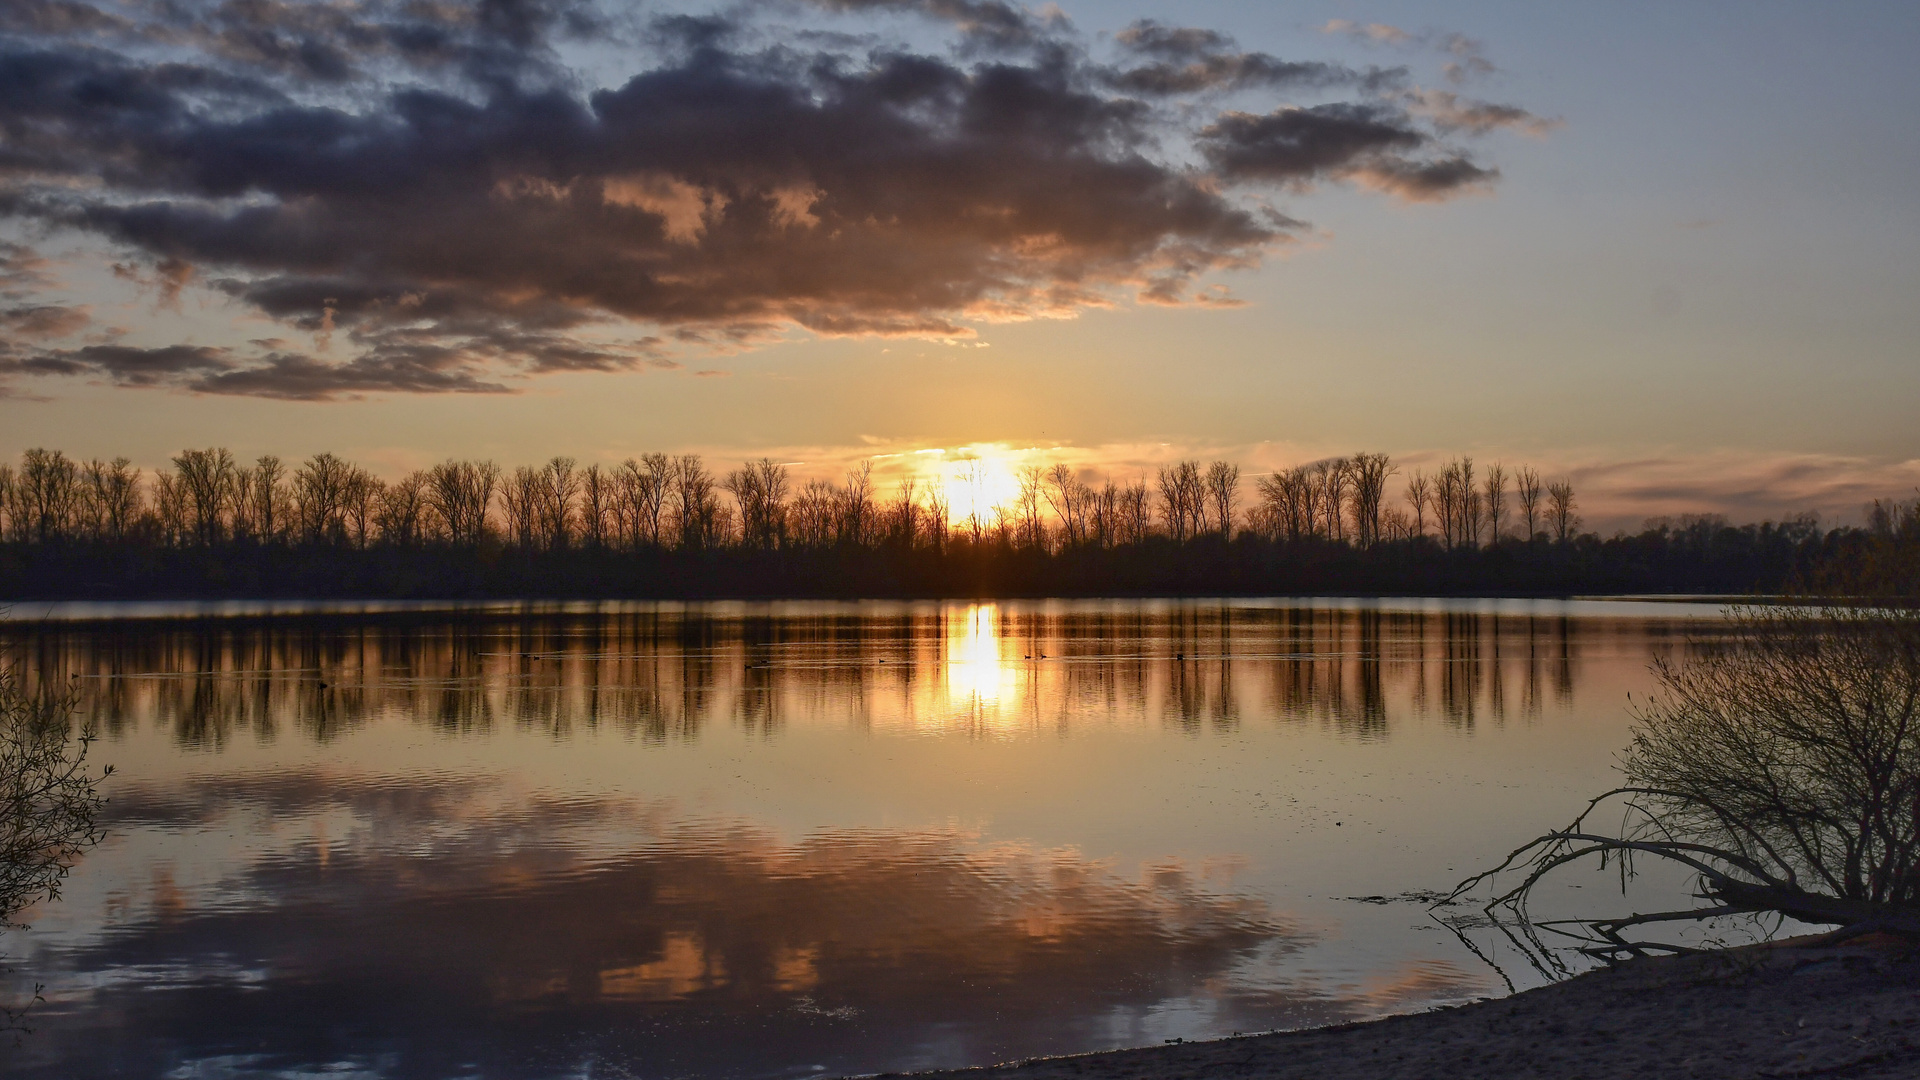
point(1669, 251)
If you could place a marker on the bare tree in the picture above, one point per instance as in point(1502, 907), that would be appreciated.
point(1496, 492)
point(1560, 510)
point(1780, 764)
point(759, 488)
point(938, 518)
point(1183, 499)
point(697, 516)
point(855, 517)
point(321, 488)
point(1330, 478)
point(815, 513)
point(1104, 515)
point(1369, 473)
point(520, 500)
point(1222, 490)
point(206, 479)
point(1136, 511)
point(1395, 524)
point(596, 506)
point(360, 504)
point(45, 497)
point(641, 495)
point(1527, 487)
point(1472, 510)
point(558, 488)
point(903, 517)
point(1029, 530)
point(113, 498)
point(50, 802)
point(401, 514)
point(1420, 497)
point(169, 508)
point(460, 493)
point(1069, 500)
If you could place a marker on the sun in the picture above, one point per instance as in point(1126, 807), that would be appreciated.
point(979, 480)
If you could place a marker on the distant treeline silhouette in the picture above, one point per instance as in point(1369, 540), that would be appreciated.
point(668, 526)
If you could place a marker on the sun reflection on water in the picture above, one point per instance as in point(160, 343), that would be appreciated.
point(975, 671)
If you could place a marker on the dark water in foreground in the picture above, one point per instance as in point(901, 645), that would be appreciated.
point(786, 840)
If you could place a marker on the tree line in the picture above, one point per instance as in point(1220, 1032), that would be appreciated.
point(655, 501)
point(659, 524)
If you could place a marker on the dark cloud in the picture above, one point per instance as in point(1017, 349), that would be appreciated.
point(1373, 144)
point(984, 22)
point(1186, 60)
point(301, 378)
point(131, 365)
point(44, 320)
point(427, 189)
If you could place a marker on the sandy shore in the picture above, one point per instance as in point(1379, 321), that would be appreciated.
point(1790, 1009)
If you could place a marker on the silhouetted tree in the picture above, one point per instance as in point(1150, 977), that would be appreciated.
point(112, 498)
point(322, 486)
point(937, 518)
point(554, 496)
point(1222, 488)
point(1070, 501)
point(45, 496)
point(360, 504)
point(402, 511)
point(1183, 500)
point(1560, 510)
point(1420, 497)
point(521, 497)
point(697, 511)
point(759, 489)
point(1331, 478)
point(459, 493)
point(642, 497)
point(206, 479)
point(1496, 493)
point(169, 508)
point(855, 514)
point(902, 519)
point(1527, 487)
point(596, 506)
point(1369, 473)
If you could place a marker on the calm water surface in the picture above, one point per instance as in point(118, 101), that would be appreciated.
point(791, 839)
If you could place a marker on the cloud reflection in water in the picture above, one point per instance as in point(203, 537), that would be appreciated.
point(458, 931)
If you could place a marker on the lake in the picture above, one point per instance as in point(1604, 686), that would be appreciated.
point(790, 839)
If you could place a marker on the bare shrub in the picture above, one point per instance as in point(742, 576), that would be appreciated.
point(1780, 766)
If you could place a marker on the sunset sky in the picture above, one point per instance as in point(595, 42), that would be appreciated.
point(1670, 250)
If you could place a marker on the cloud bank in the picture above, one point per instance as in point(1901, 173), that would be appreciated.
point(448, 197)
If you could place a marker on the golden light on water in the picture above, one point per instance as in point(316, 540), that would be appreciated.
point(975, 671)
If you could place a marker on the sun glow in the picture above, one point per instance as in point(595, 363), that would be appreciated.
point(979, 482)
point(975, 673)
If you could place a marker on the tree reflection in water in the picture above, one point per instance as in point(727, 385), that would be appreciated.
point(664, 672)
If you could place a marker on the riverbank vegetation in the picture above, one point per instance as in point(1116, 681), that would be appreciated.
point(1778, 766)
point(50, 804)
point(669, 526)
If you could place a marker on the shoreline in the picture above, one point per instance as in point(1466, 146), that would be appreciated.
point(1793, 1008)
